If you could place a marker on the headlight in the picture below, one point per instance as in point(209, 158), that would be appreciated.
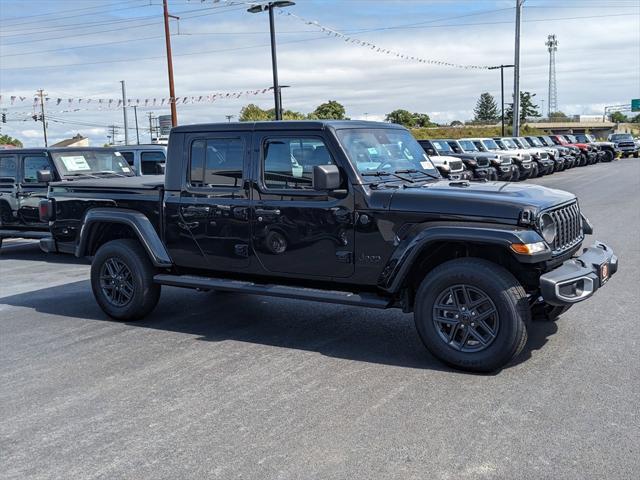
point(547, 228)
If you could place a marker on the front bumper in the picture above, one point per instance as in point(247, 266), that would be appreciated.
point(484, 172)
point(526, 169)
point(578, 278)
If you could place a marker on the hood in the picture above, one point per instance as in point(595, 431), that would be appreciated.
point(480, 199)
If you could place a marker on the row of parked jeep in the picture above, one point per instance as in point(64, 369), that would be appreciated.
point(515, 158)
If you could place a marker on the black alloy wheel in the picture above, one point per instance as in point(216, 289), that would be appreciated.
point(465, 318)
point(116, 282)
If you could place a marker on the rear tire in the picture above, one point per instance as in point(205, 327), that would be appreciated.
point(490, 289)
point(122, 280)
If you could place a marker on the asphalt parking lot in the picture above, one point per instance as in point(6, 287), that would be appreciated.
point(225, 386)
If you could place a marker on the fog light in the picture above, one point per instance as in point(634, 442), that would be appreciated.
point(528, 248)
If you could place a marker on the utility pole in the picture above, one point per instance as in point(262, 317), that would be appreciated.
point(167, 35)
point(150, 127)
point(44, 120)
point(229, 117)
point(501, 67)
point(124, 114)
point(113, 129)
point(135, 114)
point(516, 73)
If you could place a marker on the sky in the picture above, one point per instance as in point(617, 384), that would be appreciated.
point(84, 48)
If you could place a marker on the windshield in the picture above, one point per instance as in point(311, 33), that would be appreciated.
point(510, 144)
point(91, 162)
point(490, 144)
point(535, 142)
point(442, 147)
point(571, 138)
point(582, 138)
point(621, 136)
point(467, 145)
point(385, 150)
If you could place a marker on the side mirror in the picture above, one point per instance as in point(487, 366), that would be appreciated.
point(161, 168)
point(326, 177)
point(44, 176)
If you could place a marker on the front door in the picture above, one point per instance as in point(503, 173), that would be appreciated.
point(30, 191)
point(214, 203)
point(296, 229)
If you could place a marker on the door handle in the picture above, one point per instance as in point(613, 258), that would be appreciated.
point(193, 210)
point(268, 212)
point(24, 194)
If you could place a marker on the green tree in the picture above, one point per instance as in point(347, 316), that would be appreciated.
point(558, 116)
point(456, 123)
point(635, 119)
point(618, 117)
point(253, 113)
point(331, 110)
point(422, 120)
point(486, 109)
point(7, 140)
point(527, 108)
point(401, 117)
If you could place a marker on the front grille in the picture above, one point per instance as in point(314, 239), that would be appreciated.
point(483, 162)
point(526, 157)
point(455, 165)
point(544, 155)
point(568, 227)
point(505, 159)
point(626, 144)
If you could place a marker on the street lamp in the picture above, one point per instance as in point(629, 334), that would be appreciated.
point(274, 62)
point(502, 67)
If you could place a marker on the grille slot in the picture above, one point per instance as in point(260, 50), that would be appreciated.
point(483, 162)
point(568, 227)
point(455, 165)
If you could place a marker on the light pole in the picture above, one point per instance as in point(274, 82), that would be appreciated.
point(501, 67)
point(124, 114)
point(516, 73)
point(135, 114)
point(274, 61)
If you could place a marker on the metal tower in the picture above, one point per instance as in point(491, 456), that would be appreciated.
point(552, 46)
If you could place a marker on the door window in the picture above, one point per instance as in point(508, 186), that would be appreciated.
point(216, 162)
point(289, 161)
point(31, 165)
point(8, 168)
point(128, 156)
point(151, 162)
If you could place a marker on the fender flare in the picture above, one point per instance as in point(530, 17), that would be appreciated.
point(137, 221)
point(422, 235)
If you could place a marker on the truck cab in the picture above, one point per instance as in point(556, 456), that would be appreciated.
point(145, 159)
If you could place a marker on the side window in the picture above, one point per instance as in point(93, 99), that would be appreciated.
point(31, 165)
point(128, 156)
point(216, 162)
point(8, 168)
point(289, 161)
point(150, 162)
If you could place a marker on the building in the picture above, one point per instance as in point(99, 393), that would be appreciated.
point(77, 141)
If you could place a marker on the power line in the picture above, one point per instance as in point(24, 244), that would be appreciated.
point(59, 12)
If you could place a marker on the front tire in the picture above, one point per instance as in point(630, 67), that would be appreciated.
point(472, 314)
point(122, 280)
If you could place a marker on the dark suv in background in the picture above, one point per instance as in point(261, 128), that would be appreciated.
point(25, 175)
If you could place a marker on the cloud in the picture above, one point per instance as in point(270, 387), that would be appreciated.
point(598, 62)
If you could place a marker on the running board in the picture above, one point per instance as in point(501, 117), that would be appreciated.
point(24, 234)
point(370, 300)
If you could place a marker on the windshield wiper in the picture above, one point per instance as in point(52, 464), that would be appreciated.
point(109, 172)
point(413, 170)
point(89, 175)
point(382, 173)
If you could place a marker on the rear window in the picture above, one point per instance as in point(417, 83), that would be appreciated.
point(216, 162)
point(151, 162)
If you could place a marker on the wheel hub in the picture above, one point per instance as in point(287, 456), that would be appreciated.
point(465, 318)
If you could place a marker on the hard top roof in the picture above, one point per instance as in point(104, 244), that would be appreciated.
point(283, 125)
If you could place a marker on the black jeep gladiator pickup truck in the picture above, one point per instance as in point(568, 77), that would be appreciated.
point(345, 212)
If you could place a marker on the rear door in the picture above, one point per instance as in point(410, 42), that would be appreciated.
point(30, 191)
point(296, 229)
point(8, 188)
point(214, 203)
